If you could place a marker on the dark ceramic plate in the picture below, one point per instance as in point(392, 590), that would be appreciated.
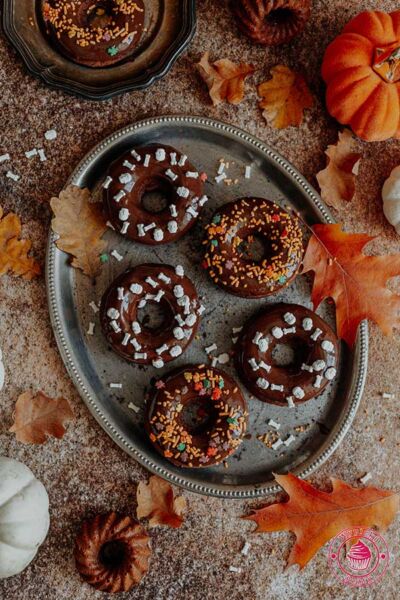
point(170, 26)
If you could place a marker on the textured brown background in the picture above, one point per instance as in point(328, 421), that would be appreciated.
point(86, 472)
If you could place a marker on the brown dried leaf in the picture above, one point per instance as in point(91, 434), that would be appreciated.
point(315, 517)
point(80, 225)
point(337, 180)
point(284, 98)
point(13, 251)
point(38, 416)
point(157, 502)
point(224, 79)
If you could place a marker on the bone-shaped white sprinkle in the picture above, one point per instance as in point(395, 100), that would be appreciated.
point(107, 182)
point(289, 440)
point(203, 200)
point(277, 388)
point(288, 330)
point(162, 349)
point(141, 231)
point(315, 335)
point(128, 165)
point(136, 155)
point(115, 326)
point(126, 339)
point(118, 197)
point(169, 173)
point(149, 227)
point(290, 402)
point(121, 293)
point(211, 348)
point(256, 338)
point(140, 355)
point(182, 160)
point(318, 381)
point(146, 161)
point(136, 344)
point(277, 444)
point(164, 278)
point(308, 368)
point(253, 363)
point(124, 228)
point(264, 366)
point(173, 158)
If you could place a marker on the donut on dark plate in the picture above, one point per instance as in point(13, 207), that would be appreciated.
point(271, 22)
point(230, 236)
point(166, 289)
point(155, 168)
point(312, 341)
point(217, 421)
point(94, 33)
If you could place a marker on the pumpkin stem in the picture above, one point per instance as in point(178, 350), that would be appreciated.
point(387, 62)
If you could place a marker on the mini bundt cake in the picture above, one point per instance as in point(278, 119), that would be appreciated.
point(271, 22)
point(112, 552)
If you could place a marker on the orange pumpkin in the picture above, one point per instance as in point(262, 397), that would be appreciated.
point(361, 68)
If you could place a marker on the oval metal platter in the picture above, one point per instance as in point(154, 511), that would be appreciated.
point(318, 425)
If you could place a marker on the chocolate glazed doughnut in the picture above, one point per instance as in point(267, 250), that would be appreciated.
point(315, 347)
point(149, 169)
point(94, 33)
point(166, 289)
point(196, 416)
point(230, 237)
point(271, 22)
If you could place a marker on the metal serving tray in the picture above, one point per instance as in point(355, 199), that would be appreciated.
point(92, 365)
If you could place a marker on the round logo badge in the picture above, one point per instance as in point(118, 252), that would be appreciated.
point(358, 557)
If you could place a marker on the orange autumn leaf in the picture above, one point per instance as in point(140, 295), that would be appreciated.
point(356, 282)
point(284, 98)
point(337, 180)
point(157, 502)
point(224, 79)
point(80, 226)
point(315, 517)
point(13, 251)
point(37, 417)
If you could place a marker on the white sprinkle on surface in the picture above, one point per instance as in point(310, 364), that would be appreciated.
point(117, 255)
point(235, 569)
point(4, 157)
point(223, 358)
point(289, 440)
point(13, 176)
point(247, 172)
point(31, 153)
point(274, 424)
point(245, 549)
point(117, 386)
point(90, 330)
point(94, 306)
point(277, 444)
point(133, 407)
point(211, 348)
point(42, 155)
point(365, 478)
point(50, 134)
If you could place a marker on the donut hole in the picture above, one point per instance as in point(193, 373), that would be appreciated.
point(254, 248)
point(156, 194)
point(290, 355)
point(113, 554)
point(155, 316)
point(97, 15)
point(198, 416)
point(279, 16)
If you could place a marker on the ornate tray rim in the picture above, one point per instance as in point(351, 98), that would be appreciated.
point(360, 353)
point(45, 72)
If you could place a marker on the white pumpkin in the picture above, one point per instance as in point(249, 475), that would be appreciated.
point(391, 198)
point(24, 516)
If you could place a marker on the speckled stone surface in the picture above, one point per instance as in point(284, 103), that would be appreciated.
point(85, 472)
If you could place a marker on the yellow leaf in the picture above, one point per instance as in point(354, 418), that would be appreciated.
point(80, 226)
point(284, 98)
point(337, 180)
point(38, 416)
point(156, 501)
point(13, 251)
point(224, 79)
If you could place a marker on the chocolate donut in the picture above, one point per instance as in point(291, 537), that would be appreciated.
point(94, 33)
point(219, 416)
point(230, 236)
point(174, 296)
point(315, 347)
point(150, 169)
point(271, 22)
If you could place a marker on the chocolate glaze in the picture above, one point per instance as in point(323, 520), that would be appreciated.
point(94, 33)
point(153, 168)
point(177, 298)
point(233, 227)
point(217, 395)
point(298, 383)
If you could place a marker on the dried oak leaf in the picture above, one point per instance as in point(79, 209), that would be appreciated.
point(13, 251)
point(157, 502)
point(315, 517)
point(224, 79)
point(37, 416)
point(338, 180)
point(80, 225)
point(284, 98)
point(356, 282)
